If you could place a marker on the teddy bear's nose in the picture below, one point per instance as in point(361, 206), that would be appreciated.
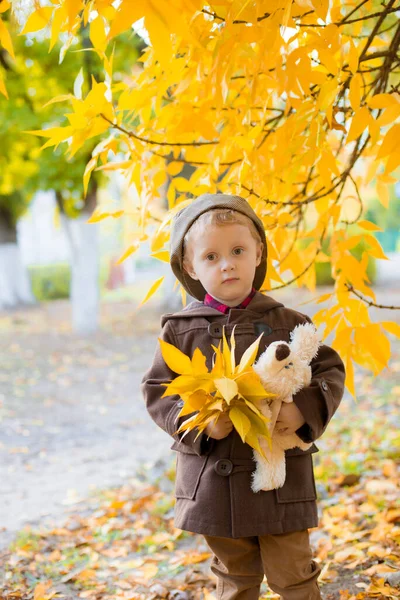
point(282, 351)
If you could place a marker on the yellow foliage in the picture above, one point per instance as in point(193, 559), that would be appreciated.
point(355, 91)
point(153, 288)
point(283, 117)
point(98, 35)
point(38, 19)
point(368, 225)
point(227, 387)
point(359, 123)
point(240, 422)
point(127, 253)
point(5, 38)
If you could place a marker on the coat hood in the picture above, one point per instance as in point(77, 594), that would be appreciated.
point(185, 218)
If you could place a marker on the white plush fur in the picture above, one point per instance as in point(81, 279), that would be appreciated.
point(283, 377)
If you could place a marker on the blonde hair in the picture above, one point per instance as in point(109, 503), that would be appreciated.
point(219, 217)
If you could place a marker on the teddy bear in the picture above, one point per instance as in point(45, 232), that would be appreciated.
point(284, 368)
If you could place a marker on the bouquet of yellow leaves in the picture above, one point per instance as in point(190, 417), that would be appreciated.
point(228, 387)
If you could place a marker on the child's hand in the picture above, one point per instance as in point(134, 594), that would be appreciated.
point(289, 419)
point(221, 429)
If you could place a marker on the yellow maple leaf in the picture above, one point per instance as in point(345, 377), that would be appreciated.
point(153, 288)
point(175, 359)
point(249, 355)
point(38, 19)
point(226, 388)
point(240, 421)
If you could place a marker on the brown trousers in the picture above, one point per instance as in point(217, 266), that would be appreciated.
point(285, 559)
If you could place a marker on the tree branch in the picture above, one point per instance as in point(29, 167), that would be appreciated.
point(355, 9)
point(342, 23)
point(375, 30)
point(303, 272)
point(351, 289)
point(147, 141)
point(236, 21)
point(360, 201)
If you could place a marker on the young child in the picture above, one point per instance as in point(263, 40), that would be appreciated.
point(218, 253)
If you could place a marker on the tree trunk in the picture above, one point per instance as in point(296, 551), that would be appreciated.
point(84, 252)
point(85, 276)
point(15, 285)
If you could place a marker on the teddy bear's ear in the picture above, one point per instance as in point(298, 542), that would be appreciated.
point(305, 341)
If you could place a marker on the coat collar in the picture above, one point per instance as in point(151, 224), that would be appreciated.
point(224, 308)
point(259, 305)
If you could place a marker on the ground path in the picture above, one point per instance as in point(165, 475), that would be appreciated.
point(72, 418)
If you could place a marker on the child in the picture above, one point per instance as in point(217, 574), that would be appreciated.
point(218, 253)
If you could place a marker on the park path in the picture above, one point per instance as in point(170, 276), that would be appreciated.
point(72, 419)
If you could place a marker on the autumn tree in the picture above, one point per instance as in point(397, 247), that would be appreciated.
point(34, 76)
point(292, 104)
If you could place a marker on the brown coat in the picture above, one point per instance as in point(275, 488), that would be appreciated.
point(213, 477)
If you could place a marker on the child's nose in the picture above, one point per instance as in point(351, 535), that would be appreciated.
point(227, 264)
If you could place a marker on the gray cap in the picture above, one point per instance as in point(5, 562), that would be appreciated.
point(185, 218)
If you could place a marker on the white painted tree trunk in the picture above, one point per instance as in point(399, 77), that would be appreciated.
point(83, 239)
point(15, 286)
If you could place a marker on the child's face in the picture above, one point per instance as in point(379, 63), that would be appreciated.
point(224, 260)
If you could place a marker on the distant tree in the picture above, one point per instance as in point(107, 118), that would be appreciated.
point(35, 77)
point(14, 281)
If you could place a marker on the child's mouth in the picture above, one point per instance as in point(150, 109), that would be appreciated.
point(231, 280)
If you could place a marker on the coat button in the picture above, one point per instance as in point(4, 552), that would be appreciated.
point(324, 386)
point(262, 328)
point(215, 330)
point(223, 467)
